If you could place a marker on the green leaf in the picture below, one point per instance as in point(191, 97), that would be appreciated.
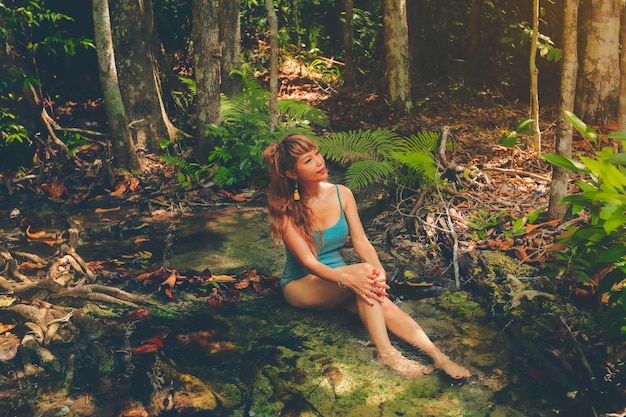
point(566, 163)
point(582, 127)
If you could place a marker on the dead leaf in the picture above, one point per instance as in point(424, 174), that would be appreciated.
point(54, 190)
point(531, 227)
point(6, 327)
point(29, 266)
point(223, 278)
point(35, 235)
point(106, 210)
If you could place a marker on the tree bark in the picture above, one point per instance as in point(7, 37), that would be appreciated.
point(132, 24)
point(230, 41)
point(206, 63)
point(123, 147)
point(273, 23)
point(598, 85)
point(563, 146)
point(534, 76)
point(397, 53)
point(349, 71)
point(621, 111)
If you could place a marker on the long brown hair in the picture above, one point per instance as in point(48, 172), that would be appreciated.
point(281, 157)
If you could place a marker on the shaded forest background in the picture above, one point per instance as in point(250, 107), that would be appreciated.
point(465, 134)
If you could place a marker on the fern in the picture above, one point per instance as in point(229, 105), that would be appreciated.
point(190, 169)
point(302, 112)
point(355, 145)
point(376, 155)
point(363, 173)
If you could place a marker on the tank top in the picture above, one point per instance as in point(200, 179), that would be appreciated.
point(328, 246)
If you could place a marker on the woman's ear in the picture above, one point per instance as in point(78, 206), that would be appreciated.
point(291, 175)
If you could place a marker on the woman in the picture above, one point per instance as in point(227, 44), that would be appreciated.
point(313, 218)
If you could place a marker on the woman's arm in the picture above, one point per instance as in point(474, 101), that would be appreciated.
point(360, 241)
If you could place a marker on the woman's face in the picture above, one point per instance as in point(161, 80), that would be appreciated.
point(310, 166)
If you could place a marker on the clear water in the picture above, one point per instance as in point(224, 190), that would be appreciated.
point(262, 357)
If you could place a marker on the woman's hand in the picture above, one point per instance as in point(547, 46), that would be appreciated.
point(368, 283)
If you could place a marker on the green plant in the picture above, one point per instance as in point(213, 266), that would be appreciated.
point(190, 172)
point(509, 137)
point(382, 154)
point(595, 252)
point(245, 131)
point(482, 221)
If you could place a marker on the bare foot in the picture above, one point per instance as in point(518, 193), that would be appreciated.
point(453, 369)
point(407, 367)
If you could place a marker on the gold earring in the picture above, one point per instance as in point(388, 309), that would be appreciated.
point(296, 193)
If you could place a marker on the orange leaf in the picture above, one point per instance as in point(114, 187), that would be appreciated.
point(223, 278)
point(34, 235)
point(134, 184)
point(28, 266)
point(7, 327)
point(171, 280)
point(120, 189)
point(142, 239)
point(531, 227)
point(106, 210)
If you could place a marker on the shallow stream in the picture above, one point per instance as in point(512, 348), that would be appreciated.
point(264, 358)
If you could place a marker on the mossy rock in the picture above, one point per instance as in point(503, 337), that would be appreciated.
point(460, 303)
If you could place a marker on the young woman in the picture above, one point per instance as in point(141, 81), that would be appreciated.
point(313, 218)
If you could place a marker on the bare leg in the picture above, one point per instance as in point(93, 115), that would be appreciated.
point(374, 320)
point(315, 293)
point(406, 328)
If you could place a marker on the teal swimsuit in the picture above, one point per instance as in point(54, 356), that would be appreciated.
point(333, 239)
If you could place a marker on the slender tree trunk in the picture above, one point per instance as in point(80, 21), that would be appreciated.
point(132, 24)
point(230, 41)
point(206, 63)
point(563, 147)
point(349, 71)
point(397, 53)
point(473, 57)
point(598, 85)
point(621, 112)
point(273, 23)
point(123, 147)
point(534, 76)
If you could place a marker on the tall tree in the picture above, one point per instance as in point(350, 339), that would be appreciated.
point(534, 77)
point(349, 72)
point(132, 24)
point(206, 63)
point(563, 146)
point(621, 112)
point(397, 53)
point(597, 89)
point(273, 23)
point(230, 41)
point(123, 146)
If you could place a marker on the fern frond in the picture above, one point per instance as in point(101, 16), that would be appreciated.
point(363, 173)
point(421, 142)
point(302, 112)
point(423, 165)
point(190, 169)
point(355, 145)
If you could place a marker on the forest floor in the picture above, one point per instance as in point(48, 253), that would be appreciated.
point(486, 210)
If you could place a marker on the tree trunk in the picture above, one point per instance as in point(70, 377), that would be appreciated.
point(474, 58)
point(132, 24)
point(397, 53)
point(563, 146)
point(349, 71)
point(206, 64)
point(123, 147)
point(621, 112)
point(230, 41)
point(273, 23)
point(598, 85)
point(534, 76)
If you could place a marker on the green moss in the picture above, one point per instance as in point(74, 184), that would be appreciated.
point(497, 265)
point(460, 303)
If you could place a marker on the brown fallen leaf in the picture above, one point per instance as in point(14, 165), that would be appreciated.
point(106, 210)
